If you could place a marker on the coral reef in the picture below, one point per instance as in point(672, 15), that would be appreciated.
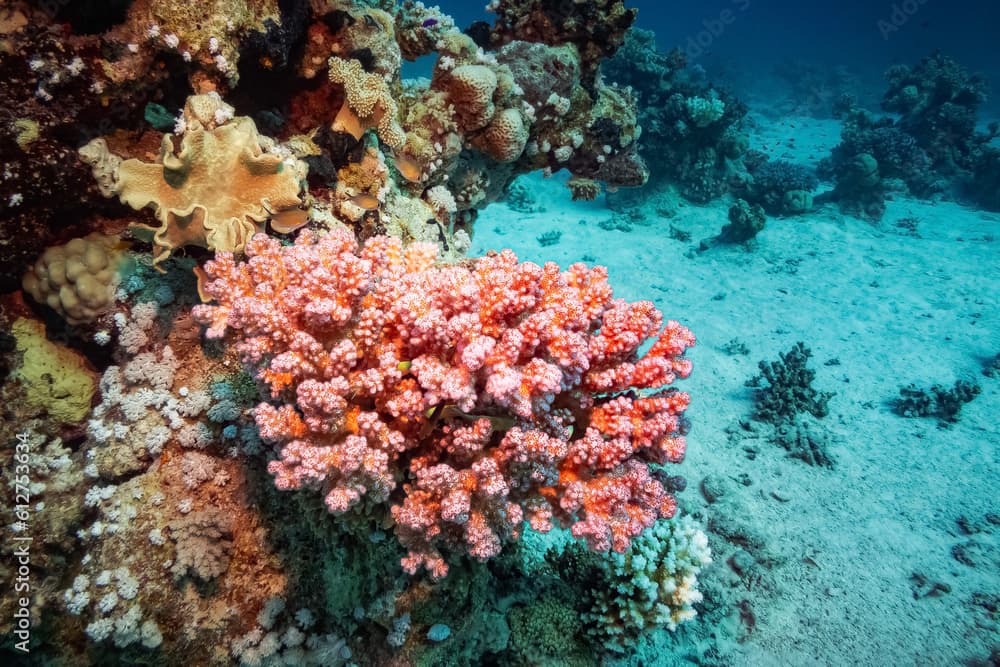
point(490, 112)
point(692, 127)
point(596, 28)
point(875, 155)
point(270, 158)
point(937, 102)
point(932, 146)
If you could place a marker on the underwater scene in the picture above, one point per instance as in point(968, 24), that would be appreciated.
point(545, 333)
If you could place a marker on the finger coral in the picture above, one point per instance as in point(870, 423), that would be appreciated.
point(469, 398)
point(368, 104)
point(654, 584)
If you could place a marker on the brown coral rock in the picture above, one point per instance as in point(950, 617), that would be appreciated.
point(596, 27)
point(369, 103)
point(470, 91)
point(504, 138)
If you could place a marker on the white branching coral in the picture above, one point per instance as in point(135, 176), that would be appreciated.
point(653, 584)
point(703, 112)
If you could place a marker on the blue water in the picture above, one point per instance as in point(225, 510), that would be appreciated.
point(752, 35)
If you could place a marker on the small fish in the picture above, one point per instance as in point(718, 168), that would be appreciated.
point(451, 411)
point(408, 168)
point(287, 221)
point(498, 423)
point(429, 22)
point(365, 201)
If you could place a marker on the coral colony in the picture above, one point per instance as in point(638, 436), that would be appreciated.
point(296, 424)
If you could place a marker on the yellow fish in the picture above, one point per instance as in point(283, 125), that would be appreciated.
point(365, 201)
point(408, 168)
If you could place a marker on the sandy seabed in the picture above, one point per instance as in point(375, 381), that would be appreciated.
point(858, 564)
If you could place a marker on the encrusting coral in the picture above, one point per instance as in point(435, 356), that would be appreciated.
point(55, 379)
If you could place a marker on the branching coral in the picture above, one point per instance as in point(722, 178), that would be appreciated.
point(651, 585)
point(789, 391)
point(503, 391)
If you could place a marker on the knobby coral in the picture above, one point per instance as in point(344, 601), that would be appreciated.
point(496, 391)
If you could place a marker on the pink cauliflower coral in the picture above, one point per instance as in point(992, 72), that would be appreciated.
point(470, 397)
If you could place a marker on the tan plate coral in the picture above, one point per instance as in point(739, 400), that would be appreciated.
point(219, 189)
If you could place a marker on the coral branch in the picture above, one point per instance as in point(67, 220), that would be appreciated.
point(496, 391)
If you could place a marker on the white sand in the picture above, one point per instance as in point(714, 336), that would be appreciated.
point(893, 309)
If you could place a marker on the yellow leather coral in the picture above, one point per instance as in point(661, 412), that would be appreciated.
point(77, 280)
point(55, 378)
point(217, 190)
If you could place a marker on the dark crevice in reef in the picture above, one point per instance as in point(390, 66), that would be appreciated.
point(267, 70)
point(87, 17)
